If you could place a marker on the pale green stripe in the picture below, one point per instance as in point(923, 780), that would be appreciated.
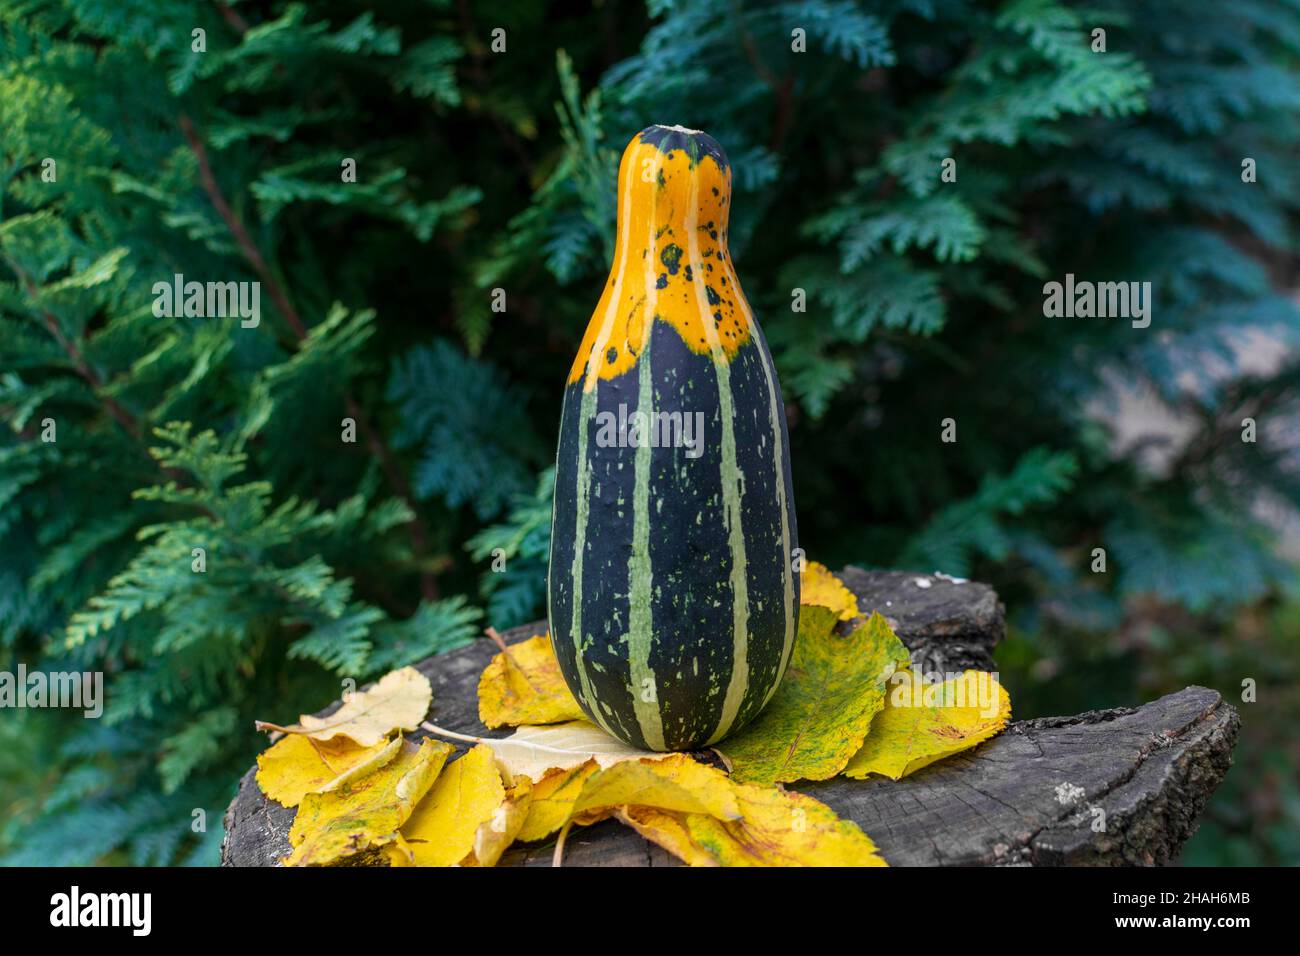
point(787, 572)
point(732, 487)
point(640, 573)
point(586, 413)
point(731, 495)
point(775, 410)
point(640, 636)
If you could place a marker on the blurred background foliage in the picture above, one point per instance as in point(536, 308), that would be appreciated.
point(482, 169)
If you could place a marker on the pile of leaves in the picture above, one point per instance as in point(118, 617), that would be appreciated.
point(367, 795)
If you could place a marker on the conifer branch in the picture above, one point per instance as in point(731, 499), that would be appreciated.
point(237, 229)
point(232, 17)
point(782, 87)
point(130, 424)
point(392, 470)
point(479, 75)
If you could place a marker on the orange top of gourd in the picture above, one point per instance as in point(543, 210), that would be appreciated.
point(671, 261)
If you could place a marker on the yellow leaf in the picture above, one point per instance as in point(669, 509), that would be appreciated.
point(669, 830)
point(533, 751)
point(821, 712)
point(397, 853)
point(523, 685)
point(466, 795)
point(495, 835)
point(782, 828)
point(552, 800)
point(298, 765)
point(675, 782)
point(922, 723)
point(818, 586)
point(398, 701)
point(365, 814)
point(775, 828)
point(590, 792)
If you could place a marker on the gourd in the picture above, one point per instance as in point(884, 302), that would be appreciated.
point(672, 595)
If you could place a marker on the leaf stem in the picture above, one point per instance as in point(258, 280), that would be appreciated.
point(464, 738)
point(557, 858)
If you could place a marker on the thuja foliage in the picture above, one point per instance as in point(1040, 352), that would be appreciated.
point(220, 515)
point(229, 519)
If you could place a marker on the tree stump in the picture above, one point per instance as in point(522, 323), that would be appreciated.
point(1110, 787)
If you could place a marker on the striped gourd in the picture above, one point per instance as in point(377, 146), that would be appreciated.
point(672, 599)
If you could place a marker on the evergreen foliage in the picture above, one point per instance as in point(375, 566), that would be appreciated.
point(336, 551)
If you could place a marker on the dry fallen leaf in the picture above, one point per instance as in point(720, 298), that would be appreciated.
point(590, 792)
point(775, 828)
point(398, 701)
point(523, 685)
point(533, 751)
point(669, 830)
point(397, 853)
point(495, 835)
point(365, 814)
point(922, 723)
point(298, 765)
point(552, 799)
point(442, 829)
point(818, 586)
point(782, 828)
point(821, 712)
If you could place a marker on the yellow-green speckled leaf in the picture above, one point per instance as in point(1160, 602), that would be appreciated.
point(364, 815)
point(817, 720)
point(922, 723)
point(298, 765)
point(818, 586)
point(775, 828)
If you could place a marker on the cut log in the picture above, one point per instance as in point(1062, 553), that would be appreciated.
point(1112, 787)
point(948, 624)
